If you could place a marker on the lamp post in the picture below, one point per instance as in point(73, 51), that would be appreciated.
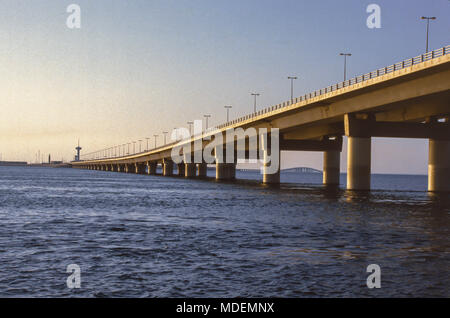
point(140, 141)
point(292, 78)
point(345, 63)
point(428, 26)
point(190, 123)
point(228, 112)
point(134, 147)
point(156, 136)
point(147, 143)
point(206, 117)
point(254, 105)
point(165, 134)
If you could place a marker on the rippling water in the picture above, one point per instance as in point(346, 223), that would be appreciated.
point(153, 236)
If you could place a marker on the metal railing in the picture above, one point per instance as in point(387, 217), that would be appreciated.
point(355, 80)
point(102, 154)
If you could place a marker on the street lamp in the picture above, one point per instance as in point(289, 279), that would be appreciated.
point(156, 136)
point(428, 26)
point(134, 147)
point(228, 112)
point(190, 123)
point(292, 78)
point(147, 142)
point(255, 95)
point(206, 117)
point(140, 141)
point(345, 63)
point(165, 134)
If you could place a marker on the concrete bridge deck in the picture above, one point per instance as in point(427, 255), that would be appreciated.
point(409, 99)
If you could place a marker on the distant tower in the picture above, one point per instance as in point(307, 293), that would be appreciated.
point(78, 149)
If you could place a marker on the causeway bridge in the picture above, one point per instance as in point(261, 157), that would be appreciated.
point(408, 99)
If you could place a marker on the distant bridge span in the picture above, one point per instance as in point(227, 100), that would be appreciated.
point(409, 99)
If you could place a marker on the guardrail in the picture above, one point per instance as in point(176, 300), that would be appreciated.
point(355, 80)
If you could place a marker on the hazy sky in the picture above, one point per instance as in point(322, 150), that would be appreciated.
point(136, 68)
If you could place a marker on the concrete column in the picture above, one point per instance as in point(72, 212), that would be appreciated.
point(167, 167)
point(221, 171)
point(181, 171)
point(202, 170)
point(151, 168)
point(331, 167)
point(269, 175)
point(190, 170)
point(129, 168)
point(358, 163)
point(439, 165)
point(231, 167)
point(139, 168)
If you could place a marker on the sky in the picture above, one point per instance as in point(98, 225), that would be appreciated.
point(137, 68)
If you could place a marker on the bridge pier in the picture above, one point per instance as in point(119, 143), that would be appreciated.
point(202, 170)
point(358, 131)
point(271, 163)
point(438, 165)
point(167, 167)
point(139, 168)
point(151, 168)
point(181, 170)
point(129, 168)
point(225, 171)
point(331, 167)
point(190, 170)
point(221, 171)
point(358, 163)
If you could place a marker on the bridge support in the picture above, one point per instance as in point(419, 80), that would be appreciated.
point(358, 163)
point(139, 168)
point(439, 165)
point(221, 171)
point(202, 170)
point(271, 163)
point(225, 171)
point(181, 169)
point(129, 168)
point(151, 168)
point(190, 170)
point(331, 167)
point(167, 167)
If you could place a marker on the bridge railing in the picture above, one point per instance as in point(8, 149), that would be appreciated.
point(355, 80)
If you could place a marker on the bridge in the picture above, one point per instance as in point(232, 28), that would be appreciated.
point(409, 99)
